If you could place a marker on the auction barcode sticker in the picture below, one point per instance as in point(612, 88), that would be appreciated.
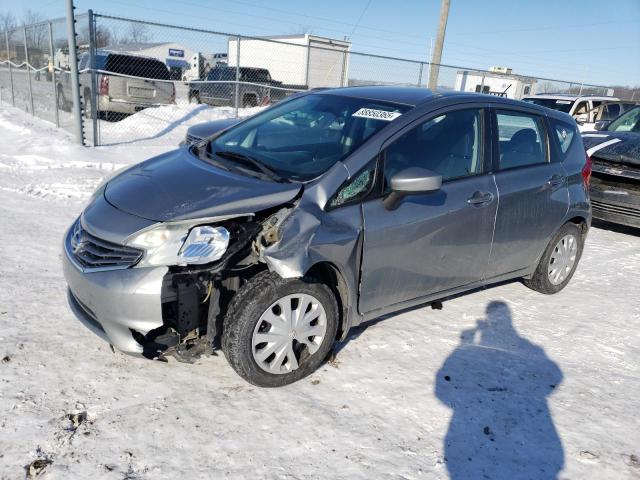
point(376, 114)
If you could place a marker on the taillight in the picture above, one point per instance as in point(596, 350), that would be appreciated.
point(586, 171)
point(104, 86)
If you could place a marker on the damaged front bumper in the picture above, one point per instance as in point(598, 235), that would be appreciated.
point(115, 304)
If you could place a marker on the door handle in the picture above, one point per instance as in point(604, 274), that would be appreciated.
point(555, 180)
point(479, 199)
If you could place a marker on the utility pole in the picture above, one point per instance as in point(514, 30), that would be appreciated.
point(437, 51)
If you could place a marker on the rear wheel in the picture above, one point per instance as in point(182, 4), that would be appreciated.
point(559, 261)
point(88, 105)
point(277, 330)
point(249, 101)
point(61, 101)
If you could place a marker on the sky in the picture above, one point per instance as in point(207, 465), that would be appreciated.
point(590, 41)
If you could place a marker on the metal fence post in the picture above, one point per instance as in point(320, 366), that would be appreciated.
point(306, 75)
point(26, 59)
point(482, 84)
point(73, 66)
point(53, 75)
point(94, 79)
point(237, 74)
point(420, 74)
point(13, 98)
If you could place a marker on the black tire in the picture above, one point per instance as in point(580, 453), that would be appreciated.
point(249, 101)
point(61, 101)
point(87, 105)
point(540, 281)
point(244, 312)
point(195, 98)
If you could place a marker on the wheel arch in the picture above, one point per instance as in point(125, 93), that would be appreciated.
point(330, 275)
point(580, 221)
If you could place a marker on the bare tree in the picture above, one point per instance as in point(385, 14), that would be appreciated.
point(103, 36)
point(136, 33)
point(7, 21)
point(36, 36)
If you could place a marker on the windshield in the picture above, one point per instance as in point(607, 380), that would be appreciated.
point(629, 122)
point(555, 104)
point(303, 138)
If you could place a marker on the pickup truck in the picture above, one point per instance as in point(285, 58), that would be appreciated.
point(136, 83)
point(255, 87)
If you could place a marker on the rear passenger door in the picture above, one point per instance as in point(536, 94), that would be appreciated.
point(532, 190)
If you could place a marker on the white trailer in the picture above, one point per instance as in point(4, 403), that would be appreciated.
point(303, 60)
point(495, 83)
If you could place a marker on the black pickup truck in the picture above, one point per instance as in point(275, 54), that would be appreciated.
point(255, 87)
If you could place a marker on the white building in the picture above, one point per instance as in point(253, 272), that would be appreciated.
point(174, 55)
point(498, 81)
point(295, 59)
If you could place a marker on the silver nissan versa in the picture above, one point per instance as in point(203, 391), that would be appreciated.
point(271, 238)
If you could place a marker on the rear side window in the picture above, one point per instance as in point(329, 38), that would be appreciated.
point(137, 67)
point(565, 134)
point(521, 138)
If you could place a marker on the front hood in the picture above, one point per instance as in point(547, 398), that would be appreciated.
point(620, 147)
point(179, 186)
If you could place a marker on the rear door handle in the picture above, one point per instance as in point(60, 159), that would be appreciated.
point(479, 199)
point(555, 180)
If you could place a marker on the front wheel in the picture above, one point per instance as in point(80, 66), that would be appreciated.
point(277, 330)
point(559, 261)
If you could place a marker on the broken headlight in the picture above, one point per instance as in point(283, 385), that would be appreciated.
point(167, 245)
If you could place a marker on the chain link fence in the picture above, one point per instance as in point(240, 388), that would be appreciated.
point(33, 60)
point(146, 82)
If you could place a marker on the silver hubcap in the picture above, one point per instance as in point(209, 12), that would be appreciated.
point(562, 260)
point(288, 332)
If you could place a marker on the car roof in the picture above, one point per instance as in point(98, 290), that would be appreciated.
point(414, 96)
point(406, 95)
point(566, 96)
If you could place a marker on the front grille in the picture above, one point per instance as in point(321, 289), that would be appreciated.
point(626, 210)
point(94, 253)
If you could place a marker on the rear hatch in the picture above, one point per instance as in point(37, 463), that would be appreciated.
point(139, 80)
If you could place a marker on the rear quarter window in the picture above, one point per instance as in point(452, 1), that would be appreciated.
point(564, 133)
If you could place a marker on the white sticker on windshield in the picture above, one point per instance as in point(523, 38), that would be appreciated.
point(563, 102)
point(376, 114)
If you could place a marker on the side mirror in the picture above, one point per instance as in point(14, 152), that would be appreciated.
point(602, 124)
point(411, 181)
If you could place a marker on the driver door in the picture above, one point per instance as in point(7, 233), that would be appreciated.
point(433, 242)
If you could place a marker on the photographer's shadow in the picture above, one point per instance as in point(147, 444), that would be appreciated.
point(497, 384)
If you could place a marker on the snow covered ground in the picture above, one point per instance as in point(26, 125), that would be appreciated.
point(503, 382)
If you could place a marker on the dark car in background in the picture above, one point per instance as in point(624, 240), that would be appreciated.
point(615, 154)
point(253, 89)
point(275, 237)
point(125, 84)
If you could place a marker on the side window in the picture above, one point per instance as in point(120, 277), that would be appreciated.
point(613, 110)
point(356, 188)
point(581, 113)
point(522, 139)
point(84, 62)
point(527, 90)
point(450, 145)
point(565, 134)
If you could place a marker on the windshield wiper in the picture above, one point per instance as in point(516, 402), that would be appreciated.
point(246, 159)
